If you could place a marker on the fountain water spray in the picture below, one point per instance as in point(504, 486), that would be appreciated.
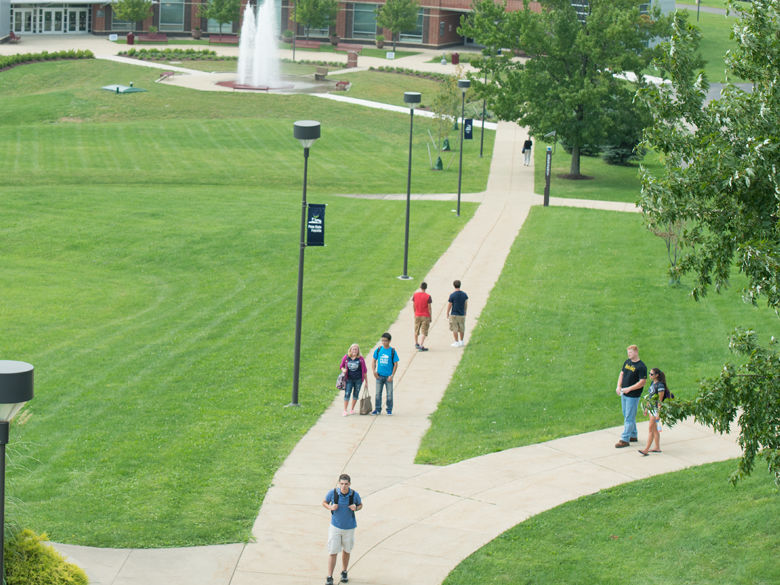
point(258, 61)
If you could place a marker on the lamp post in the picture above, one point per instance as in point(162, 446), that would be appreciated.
point(306, 131)
point(16, 388)
point(412, 98)
point(484, 112)
point(463, 85)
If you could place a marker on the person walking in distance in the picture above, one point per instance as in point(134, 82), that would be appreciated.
point(631, 380)
point(353, 366)
point(422, 316)
point(343, 502)
point(384, 365)
point(456, 313)
point(527, 145)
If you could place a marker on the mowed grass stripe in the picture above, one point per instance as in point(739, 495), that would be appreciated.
point(578, 287)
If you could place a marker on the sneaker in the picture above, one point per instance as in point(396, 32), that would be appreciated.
point(344, 413)
point(328, 580)
point(421, 348)
point(633, 439)
point(416, 346)
point(620, 444)
point(456, 344)
point(389, 413)
point(376, 412)
point(461, 343)
point(344, 578)
point(352, 411)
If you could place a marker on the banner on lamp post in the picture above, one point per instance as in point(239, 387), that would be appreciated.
point(315, 224)
point(468, 129)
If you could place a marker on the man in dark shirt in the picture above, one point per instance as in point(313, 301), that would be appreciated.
point(456, 313)
point(631, 380)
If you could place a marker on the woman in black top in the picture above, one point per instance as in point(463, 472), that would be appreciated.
point(652, 407)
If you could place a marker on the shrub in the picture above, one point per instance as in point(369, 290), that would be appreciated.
point(30, 561)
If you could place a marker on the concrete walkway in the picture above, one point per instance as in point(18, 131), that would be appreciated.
point(418, 521)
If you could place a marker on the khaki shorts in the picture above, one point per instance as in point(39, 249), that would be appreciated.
point(458, 323)
point(340, 539)
point(421, 325)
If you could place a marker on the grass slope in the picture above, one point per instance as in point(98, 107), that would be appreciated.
point(577, 288)
point(691, 526)
point(149, 269)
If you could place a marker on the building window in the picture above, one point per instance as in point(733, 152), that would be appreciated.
point(364, 21)
point(171, 17)
point(416, 34)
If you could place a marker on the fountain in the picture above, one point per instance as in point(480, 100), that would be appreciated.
point(258, 58)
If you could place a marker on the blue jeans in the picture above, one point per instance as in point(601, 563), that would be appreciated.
point(353, 388)
point(381, 382)
point(629, 405)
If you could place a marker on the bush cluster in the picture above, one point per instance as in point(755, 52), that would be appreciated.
point(6, 62)
point(30, 561)
point(174, 55)
point(412, 72)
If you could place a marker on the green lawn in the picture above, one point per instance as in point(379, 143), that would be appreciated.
point(150, 246)
point(577, 288)
point(715, 41)
point(691, 526)
point(605, 182)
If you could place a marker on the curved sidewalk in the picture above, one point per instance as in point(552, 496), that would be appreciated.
point(419, 521)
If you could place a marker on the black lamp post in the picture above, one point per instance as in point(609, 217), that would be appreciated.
point(16, 388)
point(306, 131)
point(463, 85)
point(484, 112)
point(412, 98)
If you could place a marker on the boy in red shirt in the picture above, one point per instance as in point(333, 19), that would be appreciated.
point(422, 316)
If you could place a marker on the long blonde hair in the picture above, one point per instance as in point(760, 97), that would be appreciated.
point(350, 349)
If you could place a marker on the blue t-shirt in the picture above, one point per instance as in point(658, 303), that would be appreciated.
point(343, 517)
point(458, 300)
point(385, 359)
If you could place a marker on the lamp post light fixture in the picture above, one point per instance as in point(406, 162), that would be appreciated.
point(463, 85)
point(16, 388)
point(306, 131)
point(412, 98)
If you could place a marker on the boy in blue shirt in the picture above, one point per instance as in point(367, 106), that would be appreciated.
point(342, 502)
point(384, 365)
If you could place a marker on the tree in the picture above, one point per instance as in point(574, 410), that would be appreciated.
point(132, 10)
point(720, 180)
point(569, 84)
point(315, 13)
point(223, 11)
point(397, 16)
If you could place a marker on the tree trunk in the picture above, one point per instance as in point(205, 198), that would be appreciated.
point(392, 33)
point(574, 171)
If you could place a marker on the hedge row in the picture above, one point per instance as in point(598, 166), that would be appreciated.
point(412, 72)
point(6, 62)
point(174, 55)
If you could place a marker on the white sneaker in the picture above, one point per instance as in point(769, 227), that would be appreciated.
point(456, 344)
point(461, 343)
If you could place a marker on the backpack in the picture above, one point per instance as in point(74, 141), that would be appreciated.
point(336, 493)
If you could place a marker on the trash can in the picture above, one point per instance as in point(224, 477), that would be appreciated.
point(455, 58)
point(130, 38)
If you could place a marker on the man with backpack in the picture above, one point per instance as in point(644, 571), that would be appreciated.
point(384, 365)
point(342, 502)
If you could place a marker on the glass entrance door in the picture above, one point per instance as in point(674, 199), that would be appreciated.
point(22, 20)
point(51, 20)
point(77, 20)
